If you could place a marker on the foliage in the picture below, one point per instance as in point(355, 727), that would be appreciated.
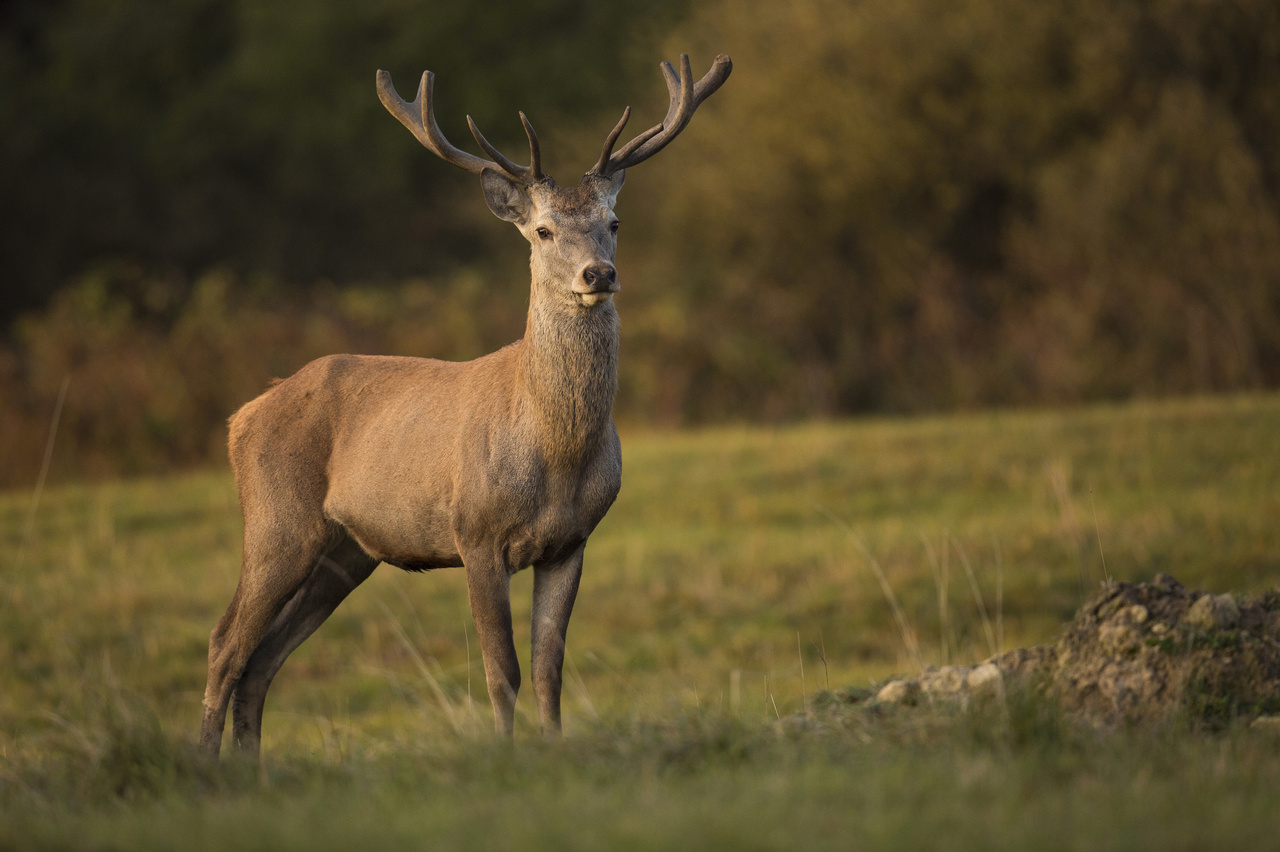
point(907, 206)
point(153, 370)
point(190, 134)
point(932, 204)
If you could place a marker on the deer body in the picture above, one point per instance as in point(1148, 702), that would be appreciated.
point(494, 465)
point(407, 485)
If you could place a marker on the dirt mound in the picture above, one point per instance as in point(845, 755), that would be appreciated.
point(1137, 653)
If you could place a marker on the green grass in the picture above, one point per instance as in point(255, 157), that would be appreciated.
point(733, 556)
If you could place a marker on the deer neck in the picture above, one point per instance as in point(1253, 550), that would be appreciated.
point(569, 374)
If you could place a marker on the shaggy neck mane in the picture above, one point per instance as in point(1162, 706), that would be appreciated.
point(569, 372)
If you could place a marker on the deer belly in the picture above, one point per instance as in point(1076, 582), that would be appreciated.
point(406, 536)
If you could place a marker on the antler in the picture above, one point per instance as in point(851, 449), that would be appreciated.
point(685, 98)
point(420, 118)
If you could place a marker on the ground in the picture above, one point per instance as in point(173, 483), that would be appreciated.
point(747, 585)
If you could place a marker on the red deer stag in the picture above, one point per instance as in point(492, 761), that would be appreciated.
point(494, 465)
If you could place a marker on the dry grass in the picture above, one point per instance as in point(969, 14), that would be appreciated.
point(712, 568)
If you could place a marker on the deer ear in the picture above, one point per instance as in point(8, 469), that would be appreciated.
point(504, 197)
point(615, 184)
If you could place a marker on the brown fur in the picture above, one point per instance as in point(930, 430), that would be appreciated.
point(497, 464)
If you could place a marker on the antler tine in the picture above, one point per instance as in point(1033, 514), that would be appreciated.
point(609, 142)
point(605, 167)
point(529, 174)
point(408, 114)
point(503, 163)
point(680, 92)
point(419, 117)
point(685, 97)
point(681, 108)
point(535, 153)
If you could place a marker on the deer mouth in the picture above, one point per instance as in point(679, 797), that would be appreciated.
point(602, 287)
point(601, 290)
point(590, 298)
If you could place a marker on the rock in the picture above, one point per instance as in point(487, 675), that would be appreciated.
point(956, 685)
point(1118, 639)
point(1203, 614)
point(1228, 612)
point(1026, 662)
point(1135, 653)
point(1148, 651)
point(1214, 612)
point(899, 692)
point(985, 679)
point(945, 682)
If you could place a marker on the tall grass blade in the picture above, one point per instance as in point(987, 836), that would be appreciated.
point(580, 688)
point(804, 691)
point(821, 648)
point(429, 677)
point(995, 544)
point(29, 527)
point(1059, 473)
point(1098, 535)
point(940, 580)
point(977, 598)
point(904, 627)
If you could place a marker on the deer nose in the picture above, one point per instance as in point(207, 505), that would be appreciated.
point(598, 278)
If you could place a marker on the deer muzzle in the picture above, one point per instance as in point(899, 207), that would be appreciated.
point(597, 278)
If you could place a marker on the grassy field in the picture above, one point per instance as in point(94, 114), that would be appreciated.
point(736, 579)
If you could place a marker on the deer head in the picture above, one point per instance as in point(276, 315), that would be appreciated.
point(572, 231)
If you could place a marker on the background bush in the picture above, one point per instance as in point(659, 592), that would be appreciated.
point(890, 207)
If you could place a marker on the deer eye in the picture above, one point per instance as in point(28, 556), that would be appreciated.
point(613, 226)
point(543, 233)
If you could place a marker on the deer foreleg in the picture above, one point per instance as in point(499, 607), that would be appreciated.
point(554, 589)
point(489, 593)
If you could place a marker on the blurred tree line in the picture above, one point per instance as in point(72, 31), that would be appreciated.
point(190, 134)
point(917, 205)
point(941, 203)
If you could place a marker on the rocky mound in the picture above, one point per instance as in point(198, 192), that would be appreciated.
point(1136, 653)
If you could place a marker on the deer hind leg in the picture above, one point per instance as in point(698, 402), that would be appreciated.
point(275, 568)
point(334, 576)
